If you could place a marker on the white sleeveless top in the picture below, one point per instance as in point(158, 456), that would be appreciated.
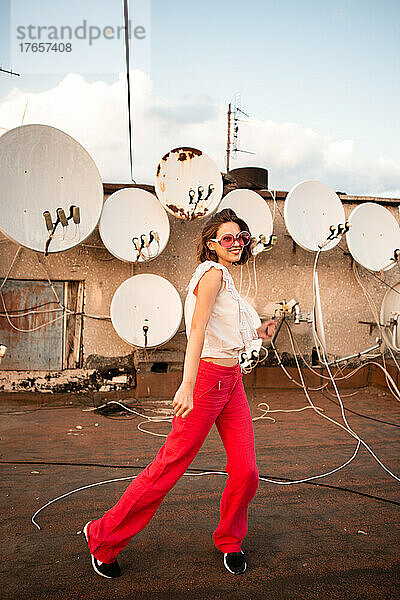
point(230, 328)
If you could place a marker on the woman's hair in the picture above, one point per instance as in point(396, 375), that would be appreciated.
point(210, 231)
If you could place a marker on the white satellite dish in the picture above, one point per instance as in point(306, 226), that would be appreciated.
point(253, 209)
point(188, 183)
point(318, 321)
point(310, 209)
point(49, 183)
point(146, 310)
point(373, 237)
point(133, 225)
point(390, 317)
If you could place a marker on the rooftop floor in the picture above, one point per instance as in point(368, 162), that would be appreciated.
point(335, 537)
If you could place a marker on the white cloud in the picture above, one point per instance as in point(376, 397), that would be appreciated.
point(96, 115)
point(337, 154)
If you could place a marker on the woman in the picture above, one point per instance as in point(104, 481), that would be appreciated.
point(218, 327)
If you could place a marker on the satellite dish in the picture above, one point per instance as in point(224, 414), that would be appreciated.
point(373, 237)
point(311, 208)
point(133, 225)
point(146, 310)
point(188, 183)
point(253, 209)
point(49, 183)
point(390, 317)
point(318, 321)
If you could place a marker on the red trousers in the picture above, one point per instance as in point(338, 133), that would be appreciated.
point(218, 397)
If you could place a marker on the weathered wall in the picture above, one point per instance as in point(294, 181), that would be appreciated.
point(284, 272)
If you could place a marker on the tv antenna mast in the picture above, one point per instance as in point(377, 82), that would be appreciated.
point(232, 141)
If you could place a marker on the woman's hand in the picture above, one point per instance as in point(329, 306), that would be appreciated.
point(267, 329)
point(183, 400)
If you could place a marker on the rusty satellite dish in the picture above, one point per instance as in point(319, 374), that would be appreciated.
point(390, 317)
point(51, 189)
point(311, 208)
point(374, 236)
point(188, 183)
point(134, 226)
point(146, 310)
point(253, 209)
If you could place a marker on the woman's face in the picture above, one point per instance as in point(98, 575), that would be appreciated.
point(227, 256)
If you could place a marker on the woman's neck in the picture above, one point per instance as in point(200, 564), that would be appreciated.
point(223, 264)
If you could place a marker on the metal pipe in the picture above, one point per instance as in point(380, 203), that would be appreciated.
point(358, 354)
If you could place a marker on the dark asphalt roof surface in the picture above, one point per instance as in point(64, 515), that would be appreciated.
point(335, 538)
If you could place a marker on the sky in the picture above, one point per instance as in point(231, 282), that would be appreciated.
point(320, 82)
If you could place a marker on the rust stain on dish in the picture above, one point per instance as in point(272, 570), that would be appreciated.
point(185, 214)
point(184, 152)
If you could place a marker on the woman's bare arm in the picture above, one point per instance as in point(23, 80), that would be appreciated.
point(267, 329)
point(207, 290)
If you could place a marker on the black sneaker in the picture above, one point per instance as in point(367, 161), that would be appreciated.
point(109, 570)
point(235, 562)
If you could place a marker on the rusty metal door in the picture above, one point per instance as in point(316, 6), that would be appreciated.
point(31, 306)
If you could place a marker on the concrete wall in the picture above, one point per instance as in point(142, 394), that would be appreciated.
point(285, 272)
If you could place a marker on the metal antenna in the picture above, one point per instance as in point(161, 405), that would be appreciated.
point(10, 72)
point(128, 81)
point(232, 141)
point(228, 138)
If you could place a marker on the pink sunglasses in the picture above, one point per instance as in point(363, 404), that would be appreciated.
point(226, 240)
